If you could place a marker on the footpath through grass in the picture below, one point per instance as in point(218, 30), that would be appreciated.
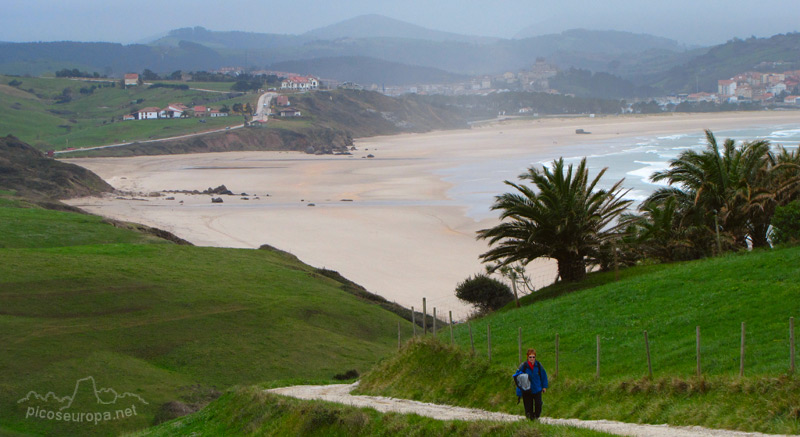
point(669, 302)
point(251, 411)
point(80, 298)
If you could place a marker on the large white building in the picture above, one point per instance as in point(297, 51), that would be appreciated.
point(300, 83)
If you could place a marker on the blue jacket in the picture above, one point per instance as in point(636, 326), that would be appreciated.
point(537, 383)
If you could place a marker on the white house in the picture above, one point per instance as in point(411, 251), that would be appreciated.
point(150, 113)
point(726, 87)
point(300, 83)
point(131, 79)
point(216, 113)
point(777, 88)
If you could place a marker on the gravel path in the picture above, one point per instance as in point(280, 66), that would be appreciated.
point(340, 393)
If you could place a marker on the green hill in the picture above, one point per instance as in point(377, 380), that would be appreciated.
point(27, 171)
point(329, 122)
point(57, 113)
point(170, 324)
point(727, 60)
point(669, 302)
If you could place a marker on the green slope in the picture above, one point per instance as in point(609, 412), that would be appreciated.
point(668, 302)
point(30, 111)
point(80, 298)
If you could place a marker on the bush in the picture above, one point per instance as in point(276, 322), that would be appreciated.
point(786, 224)
point(485, 293)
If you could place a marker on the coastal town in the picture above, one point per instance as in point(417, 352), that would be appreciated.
point(780, 89)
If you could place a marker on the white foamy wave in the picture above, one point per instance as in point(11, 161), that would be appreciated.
point(788, 133)
point(673, 137)
point(644, 173)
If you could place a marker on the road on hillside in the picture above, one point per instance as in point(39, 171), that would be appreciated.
point(262, 111)
point(261, 115)
point(340, 393)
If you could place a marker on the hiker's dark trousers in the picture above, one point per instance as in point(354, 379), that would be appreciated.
point(533, 404)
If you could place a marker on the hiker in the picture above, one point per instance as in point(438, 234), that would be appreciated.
point(532, 392)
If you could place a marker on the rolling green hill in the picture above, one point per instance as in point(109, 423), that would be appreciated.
point(92, 113)
point(727, 60)
point(82, 298)
point(329, 122)
point(667, 301)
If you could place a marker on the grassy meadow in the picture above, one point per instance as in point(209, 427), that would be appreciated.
point(30, 112)
point(669, 302)
point(80, 297)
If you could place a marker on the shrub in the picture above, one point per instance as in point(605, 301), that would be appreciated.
point(485, 293)
point(786, 223)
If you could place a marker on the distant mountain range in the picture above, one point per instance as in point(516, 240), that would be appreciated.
point(375, 49)
point(378, 26)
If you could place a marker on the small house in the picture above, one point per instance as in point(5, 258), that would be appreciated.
point(282, 100)
point(131, 79)
point(289, 112)
point(150, 113)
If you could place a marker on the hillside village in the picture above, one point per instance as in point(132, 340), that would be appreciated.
point(753, 86)
point(179, 110)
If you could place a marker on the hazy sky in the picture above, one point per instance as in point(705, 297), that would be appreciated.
point(689, 21)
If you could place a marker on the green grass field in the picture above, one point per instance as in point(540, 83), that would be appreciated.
point(80, 298)
point(669, 302)
point(29, 111)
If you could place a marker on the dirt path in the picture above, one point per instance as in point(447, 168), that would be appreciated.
point(340, 393)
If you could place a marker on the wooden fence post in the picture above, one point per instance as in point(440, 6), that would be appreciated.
point(452, 338)
point(791, 345)
point(424, 317)
point(741, 354)
point(489, 340)
point(414, 322)
point(519, 345)
point(699, 371)
point(471, 340)
point(434, 321)
point(597, 373)
point(649, 363)
point(556, 374)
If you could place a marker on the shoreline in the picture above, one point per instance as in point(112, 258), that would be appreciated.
point(389, 223)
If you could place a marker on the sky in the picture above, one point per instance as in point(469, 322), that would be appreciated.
point(699, 22)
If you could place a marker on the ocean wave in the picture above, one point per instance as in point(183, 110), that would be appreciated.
point(787, 133)
point(649, 168)
point(673, 137)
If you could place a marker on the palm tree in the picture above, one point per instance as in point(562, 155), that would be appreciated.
point(730, 188)
point(567, 219)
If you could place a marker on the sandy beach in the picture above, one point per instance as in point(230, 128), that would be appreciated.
point(388, 222)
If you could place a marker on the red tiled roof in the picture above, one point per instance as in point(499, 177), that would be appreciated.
point(131, 76)
point(149, 109)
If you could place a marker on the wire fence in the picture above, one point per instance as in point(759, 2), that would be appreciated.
point(433, 324)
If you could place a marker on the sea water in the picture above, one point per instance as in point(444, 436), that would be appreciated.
point(633, 159)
